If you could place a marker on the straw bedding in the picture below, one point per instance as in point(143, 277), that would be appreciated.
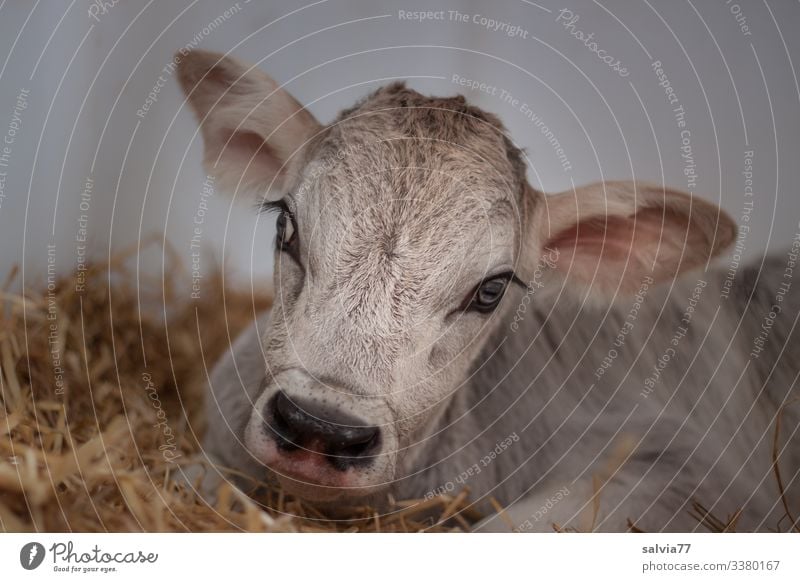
point(101, 385)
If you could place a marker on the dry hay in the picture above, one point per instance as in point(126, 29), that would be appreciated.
point(85, 379)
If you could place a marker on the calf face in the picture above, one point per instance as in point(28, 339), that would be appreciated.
point(406, 235)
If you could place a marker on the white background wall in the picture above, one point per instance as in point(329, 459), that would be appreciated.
point(87, 77)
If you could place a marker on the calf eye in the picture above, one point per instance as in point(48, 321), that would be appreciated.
point(286, 226)
point(488, 294)
point(287, 233)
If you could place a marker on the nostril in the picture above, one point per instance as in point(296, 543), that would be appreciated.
point(278, 420)
point(356, 447)
point(354, 441)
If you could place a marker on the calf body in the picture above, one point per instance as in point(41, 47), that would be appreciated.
point(536, 428)
point(438, 323)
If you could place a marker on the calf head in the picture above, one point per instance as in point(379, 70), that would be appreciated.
point(406, 234)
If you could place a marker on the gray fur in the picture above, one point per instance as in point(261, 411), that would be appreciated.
point(574, 434)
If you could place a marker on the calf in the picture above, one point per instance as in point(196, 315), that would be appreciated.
point(438, 324)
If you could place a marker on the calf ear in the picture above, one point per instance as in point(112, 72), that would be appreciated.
point(607, 238)
point(252, 129)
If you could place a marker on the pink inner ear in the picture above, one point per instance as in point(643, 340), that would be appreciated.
point(612, 236)
point(249, 153)
point(654, 242)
